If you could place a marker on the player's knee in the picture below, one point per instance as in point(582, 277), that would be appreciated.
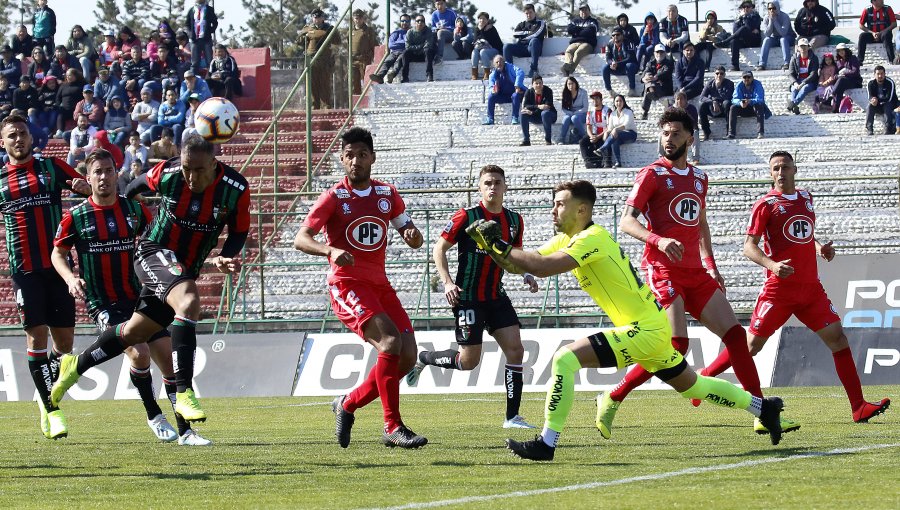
point(466, 363)
point(562, 361)
point(188, 305)
point(514, 354)
point(390, 344)
point(139, 355)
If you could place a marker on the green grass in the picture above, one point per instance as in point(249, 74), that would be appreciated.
point(281, 452)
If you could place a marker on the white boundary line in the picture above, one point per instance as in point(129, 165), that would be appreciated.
point(643, 478)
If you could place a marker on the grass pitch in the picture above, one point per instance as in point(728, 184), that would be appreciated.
point(281, 453)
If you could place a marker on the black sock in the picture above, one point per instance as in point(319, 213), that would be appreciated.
point(184, 346)
point(53, 358)
point(171, 388)
point(143, 381)
point(39, 366)
point(513, 382)
point(107, 346)
point(443, 359)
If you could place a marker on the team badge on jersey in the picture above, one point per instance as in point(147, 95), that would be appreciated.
point(685, 209)
point(669, 184)
point(809, 206)
point(384, 205)
point(195, 206)
point(798, 229)
point(698, 186)
point(346, 208)
point(367, 233)
point(132, 221)
point(219, 213)
point(111, 225)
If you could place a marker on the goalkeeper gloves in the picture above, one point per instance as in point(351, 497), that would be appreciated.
point(486, 235)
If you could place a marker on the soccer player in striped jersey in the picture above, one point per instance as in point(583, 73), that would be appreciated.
point(641, 332)
point(784, 219)
point(103, 230)
point(199, 197)
point(477, 296)
point(31, 203)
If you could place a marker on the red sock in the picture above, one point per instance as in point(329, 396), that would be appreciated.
point(363, 394)
point(638, 376)
point(735, 341)
point(387, 377)
point(846, 371)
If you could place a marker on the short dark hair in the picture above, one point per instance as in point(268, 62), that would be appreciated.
point(222, 47)
point(167, 131)
point(98, 154)
point(197, 143)
point(484, 15)
point(492, 169)
point(687, 43)
point(527, 7)
point(782, 154)
point(358, 134)
point(13, 119)
point(676, 115)
point(580, 190)
point(80, 115)
point(536, 77)
point(879, 67)
point(133, 134)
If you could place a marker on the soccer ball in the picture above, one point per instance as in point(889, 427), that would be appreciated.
point(217, 119)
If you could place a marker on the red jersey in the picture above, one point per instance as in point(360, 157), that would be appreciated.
point(357, 222)
point(786, 224)
point(672, 203)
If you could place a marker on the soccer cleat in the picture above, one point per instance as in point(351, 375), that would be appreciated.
point(191, 438)
point(57, 425)
point(187, 405)
point(404, 438)
point(343, 421)
point(606, 412)
point(162, 428)
point(45, 424)
point(412, 378)
point(771, 417)
point(517, 422)
point(869, 410)
point(536, 449)
point(68, 376)
point(786, 426)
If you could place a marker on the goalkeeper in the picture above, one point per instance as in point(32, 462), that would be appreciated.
point(641, 334)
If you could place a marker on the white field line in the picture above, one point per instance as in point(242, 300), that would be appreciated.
point(643, 478)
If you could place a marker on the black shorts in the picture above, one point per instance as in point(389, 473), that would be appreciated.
point(119, 313)
point(158, 271)
point(472, 317)
point(43, 299)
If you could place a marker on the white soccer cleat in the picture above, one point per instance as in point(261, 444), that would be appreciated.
point(163, 430)
point(191, 438)
point(412, 378)
point(517, 422)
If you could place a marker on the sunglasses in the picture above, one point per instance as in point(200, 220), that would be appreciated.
point(404, 21)
point(420, 21)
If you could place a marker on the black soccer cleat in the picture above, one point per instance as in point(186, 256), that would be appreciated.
point(770, 417)
point(531, 450)
point(343, 421)
point(404, 438)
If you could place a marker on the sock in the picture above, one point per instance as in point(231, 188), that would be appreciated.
point(550, 437)
point(442, 359)
point(39, 366)
point(721, 393)
point(184, 347)
point(514, 384)
point(387, 377)
point(171, 388)
point(846, 371)
point(638, 376)
point(53, 358)
point(363, 394)
point(107, 346)
point(143, 381)
point(735, 341)
point(562, 390)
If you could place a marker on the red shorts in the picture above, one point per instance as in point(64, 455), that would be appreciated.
point(354, 303)
point(777, 302)
point(695, 286)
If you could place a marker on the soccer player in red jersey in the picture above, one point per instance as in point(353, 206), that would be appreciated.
point(678, 259)
point(478, 297)
point(31, 204)
point(103, 230)
point(200, 196)
point(355, 214)
point(784, 218)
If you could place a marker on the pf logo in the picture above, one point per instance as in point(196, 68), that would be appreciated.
point(367, 233)
point(685, 209)
point(798, 229)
